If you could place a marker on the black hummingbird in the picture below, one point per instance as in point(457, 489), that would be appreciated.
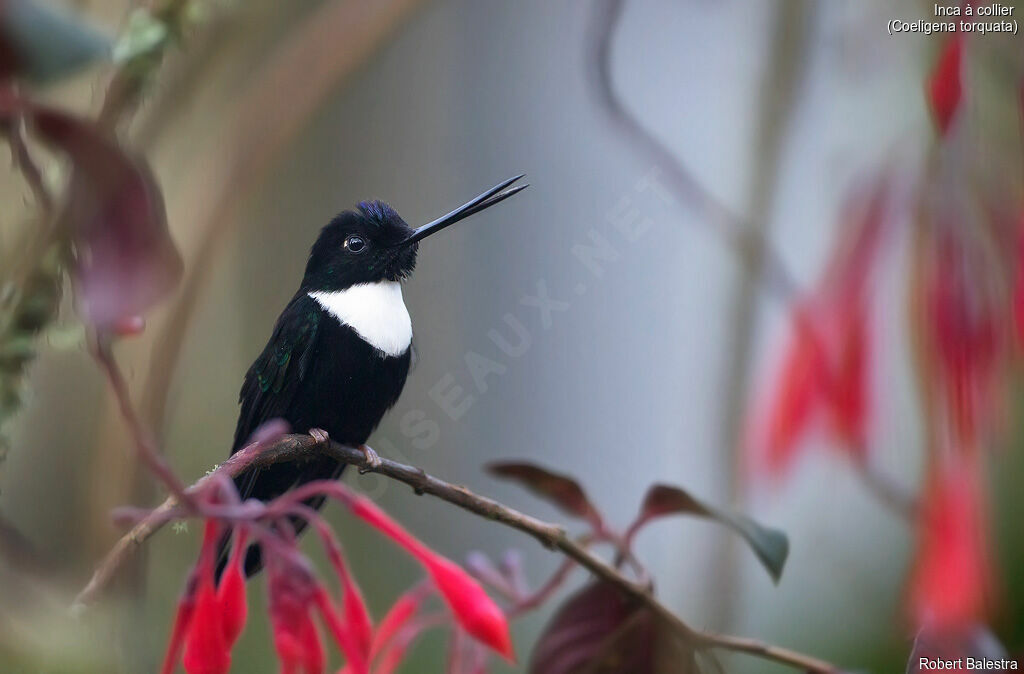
point(341, 349)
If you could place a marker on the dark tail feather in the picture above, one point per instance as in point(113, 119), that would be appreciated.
point(267, 483)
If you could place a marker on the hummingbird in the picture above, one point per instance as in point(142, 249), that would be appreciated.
point(341, 349)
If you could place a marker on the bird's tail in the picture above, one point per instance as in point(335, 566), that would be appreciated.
point(265, 484)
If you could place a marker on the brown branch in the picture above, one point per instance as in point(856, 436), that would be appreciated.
point(298, 448)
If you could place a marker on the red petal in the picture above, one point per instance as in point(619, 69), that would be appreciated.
point(395, 652)
point(849, 383)
point(182, 620)
point(231, 592)
point(342, 634)
point(356, 615)
point(951, 578)
point(313, 658)
point(944, 85)
point(793, 398)
point(473, 609)
point(206, 650)
point(397, 617)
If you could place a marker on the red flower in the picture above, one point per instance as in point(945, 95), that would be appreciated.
point(394, 635)
point(951, 577)
point(206, 648)
point(473, 609)
point(944, 85)
point(962, 325)
point(209, 618)
point(292, 594)
point(186, 608)
point(824, 371)
point(231, 591)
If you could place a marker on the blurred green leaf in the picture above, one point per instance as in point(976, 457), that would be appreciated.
point(770, 545)
point(48, 42)
point(66, 337)
point(144, 36)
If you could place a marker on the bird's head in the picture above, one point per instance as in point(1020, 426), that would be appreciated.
point(373, 243)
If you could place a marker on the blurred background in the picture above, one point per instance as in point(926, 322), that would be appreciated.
point(701, 173)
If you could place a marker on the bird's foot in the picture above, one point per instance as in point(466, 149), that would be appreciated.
point(321, 437)
point(373, 461)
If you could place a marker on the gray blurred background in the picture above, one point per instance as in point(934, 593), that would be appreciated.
point(643, 369)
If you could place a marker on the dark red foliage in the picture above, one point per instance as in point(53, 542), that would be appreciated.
point(600, 630)
point(824, 369)
point(125, 260)
point(561, 490)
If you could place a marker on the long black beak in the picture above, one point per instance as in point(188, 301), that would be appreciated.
point(496, 194)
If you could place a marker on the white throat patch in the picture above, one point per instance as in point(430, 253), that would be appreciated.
point(375, 311)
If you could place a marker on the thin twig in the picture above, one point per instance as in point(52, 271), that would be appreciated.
point(145, 441)
point(24, 162)
point(299, 448)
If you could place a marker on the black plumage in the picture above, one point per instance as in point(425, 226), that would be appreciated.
point(319, 372)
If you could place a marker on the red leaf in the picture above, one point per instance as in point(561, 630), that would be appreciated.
point(944, 84)
point(561, 490)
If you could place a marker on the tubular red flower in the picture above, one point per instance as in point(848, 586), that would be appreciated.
point(962, 326)
point(356, 615)
point(400, 613)
point(473, 609)
point(944, 85)
point(296, 638)
point(848, 385)
point(357, 662)
point(182, 620)
point(231, 592)
point(793, 399)
point(825, 369)
point(207, 651)
point(951, 577)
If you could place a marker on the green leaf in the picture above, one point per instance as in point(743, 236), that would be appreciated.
point(770, 545)
point(144, 35)
point(48, 42)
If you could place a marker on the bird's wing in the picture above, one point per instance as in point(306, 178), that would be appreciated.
point(276, 377)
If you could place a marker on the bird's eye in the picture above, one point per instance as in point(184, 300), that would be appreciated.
point(355, 244)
